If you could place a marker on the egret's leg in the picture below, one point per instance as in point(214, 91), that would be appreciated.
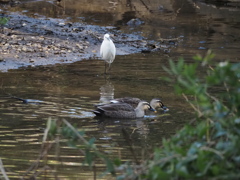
point(105, 67)
point(109, 67)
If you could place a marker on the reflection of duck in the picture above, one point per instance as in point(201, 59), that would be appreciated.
point(155, 103)
point(123, 110)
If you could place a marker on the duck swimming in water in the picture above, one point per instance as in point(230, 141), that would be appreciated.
point(122, 110)
point(154, 103)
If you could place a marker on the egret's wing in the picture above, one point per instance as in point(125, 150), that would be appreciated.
point(113, 48)
point(101, 49)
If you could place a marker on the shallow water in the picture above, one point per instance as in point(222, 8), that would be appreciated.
point(69, 91)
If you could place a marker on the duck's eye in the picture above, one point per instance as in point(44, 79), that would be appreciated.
point(160, 103)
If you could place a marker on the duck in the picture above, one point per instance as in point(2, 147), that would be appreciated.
point(154, 103)
point(122, 110)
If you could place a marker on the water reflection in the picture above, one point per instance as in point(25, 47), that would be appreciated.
point(70, 91)
point(106, 92)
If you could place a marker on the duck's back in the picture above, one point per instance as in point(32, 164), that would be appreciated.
point(129, 100)
point(116, 110)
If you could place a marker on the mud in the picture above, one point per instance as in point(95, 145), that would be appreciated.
point(31, 41)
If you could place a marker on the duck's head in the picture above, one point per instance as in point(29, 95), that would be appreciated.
point(157, 103)
point(146, 106)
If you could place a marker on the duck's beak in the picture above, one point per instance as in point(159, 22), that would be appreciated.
point(165, 108)
point(151, 109)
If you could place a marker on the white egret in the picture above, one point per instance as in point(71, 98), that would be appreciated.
point(107, 51)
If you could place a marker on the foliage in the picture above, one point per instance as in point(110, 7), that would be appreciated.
point(207, 149)
point(210, 148)
point(3, 21)
point(76, 139)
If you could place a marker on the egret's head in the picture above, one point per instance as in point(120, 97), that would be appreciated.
point(107, 36)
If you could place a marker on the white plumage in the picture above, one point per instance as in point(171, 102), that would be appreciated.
point(107, 50)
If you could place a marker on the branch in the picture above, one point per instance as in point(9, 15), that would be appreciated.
point(191, 104)
point(3, 170)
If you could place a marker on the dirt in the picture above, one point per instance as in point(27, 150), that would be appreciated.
point(32, 41)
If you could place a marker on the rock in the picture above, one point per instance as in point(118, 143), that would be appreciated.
point(26, 38)
point(24, 49)
point(2, 60)
point(135, 22)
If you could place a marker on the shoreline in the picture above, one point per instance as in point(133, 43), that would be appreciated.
point(32, 41)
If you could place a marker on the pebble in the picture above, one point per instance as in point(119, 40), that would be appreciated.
point(27, 38)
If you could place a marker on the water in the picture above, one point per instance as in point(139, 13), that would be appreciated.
point(69, 91)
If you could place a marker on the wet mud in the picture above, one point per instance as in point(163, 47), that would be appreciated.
point(31, 41)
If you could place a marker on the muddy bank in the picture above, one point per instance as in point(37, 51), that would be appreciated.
point(31, 41)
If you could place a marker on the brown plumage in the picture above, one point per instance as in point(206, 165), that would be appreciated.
point(122, 110)
point(155, 103)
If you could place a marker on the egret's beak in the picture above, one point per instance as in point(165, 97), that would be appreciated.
point(113, 38)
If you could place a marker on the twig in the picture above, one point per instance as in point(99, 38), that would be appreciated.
point(193, 121)
point(210, 67)
point(212, 150)
point(170, 39)
point(212, 97)
point(35, 165)
point(75, 131)
point(94, 171)
point(143, 168)
point(3, 170)
point(79, 136)
point(146, 6)
point(44, 169)
point(136, 129)
point(197, 102)
point(129, 141)
point(191, 104)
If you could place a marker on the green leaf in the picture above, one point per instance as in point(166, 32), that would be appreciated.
point(173, 67)
point(4, 20)
point(117, 162)
point(91, 141)
point(110, 166)
point(89, 157)
point(182, 170)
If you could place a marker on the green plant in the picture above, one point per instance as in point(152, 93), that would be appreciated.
point(3, 21)
point(76, 139)
point(209, 149)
